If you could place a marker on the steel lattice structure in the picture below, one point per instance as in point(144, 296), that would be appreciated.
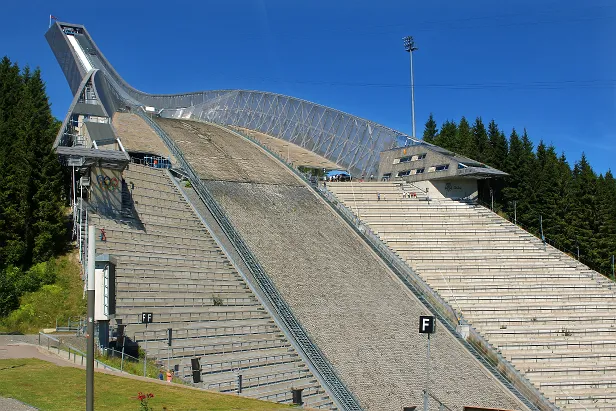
point(352, 142)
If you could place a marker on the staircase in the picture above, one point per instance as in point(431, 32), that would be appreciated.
point(168, 264)
point(550, 316)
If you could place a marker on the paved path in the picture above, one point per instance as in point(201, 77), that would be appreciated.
point(25, 350)
point(9, 404)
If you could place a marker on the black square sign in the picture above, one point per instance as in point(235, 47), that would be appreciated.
point(427, 324)
point(146, 318)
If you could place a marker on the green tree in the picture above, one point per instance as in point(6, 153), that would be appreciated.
point(447, 136)
point(545, 200)
point(514, 166)
point(12, 247)
point(606, 241)
point(584, 214)
point(465, 141)
point(430, 130)
point(31, 179)
point(496, 153)
point(480, 135)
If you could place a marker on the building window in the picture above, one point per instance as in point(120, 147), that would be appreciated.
point(408, 159)
point(403, 173)
point(419, 171)
point(442, 167)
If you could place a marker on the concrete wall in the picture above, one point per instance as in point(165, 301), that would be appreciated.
point(106, 190)
point(389, 163)
point(454, 188)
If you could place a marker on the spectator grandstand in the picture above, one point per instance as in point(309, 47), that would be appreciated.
point(174, 269)
point(552, 317)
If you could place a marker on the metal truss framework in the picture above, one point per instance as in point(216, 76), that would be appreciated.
point(351, 142)
point(348, 141)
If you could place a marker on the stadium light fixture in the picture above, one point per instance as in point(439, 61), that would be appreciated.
point(410, 47)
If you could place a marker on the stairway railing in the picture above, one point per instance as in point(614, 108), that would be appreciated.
point(324, 371)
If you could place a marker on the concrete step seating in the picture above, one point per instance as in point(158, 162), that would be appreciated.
point(145, 246)
point(605, 317)
point(149, 228)
point(263, 376)
point(541, 308)
point(169, 265)
point(171, 284)
point(159, 238)
point(187, 348)
point(548, 347)
point(204, 313)
point(161, 300)
point(221, 271)
point(197, 317)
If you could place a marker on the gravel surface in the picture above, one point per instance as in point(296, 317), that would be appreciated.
point(9, 404)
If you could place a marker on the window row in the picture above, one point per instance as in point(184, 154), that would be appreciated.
point(408, 159)
point(405, 173)
point(421, 170)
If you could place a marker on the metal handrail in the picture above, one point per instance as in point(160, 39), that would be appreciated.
point(71, 349)
point(552, 243)
point(343, 397)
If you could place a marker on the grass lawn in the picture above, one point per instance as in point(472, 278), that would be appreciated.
point(50, 387)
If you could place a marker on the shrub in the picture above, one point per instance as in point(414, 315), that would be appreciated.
point(47, 292)
point(9, 297)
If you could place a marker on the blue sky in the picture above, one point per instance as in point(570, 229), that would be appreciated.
point(547, 65)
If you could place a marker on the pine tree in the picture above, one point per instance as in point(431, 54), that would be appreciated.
point(430, 130)
point(546, 190)
point(447, 136)
point(465, 142)
point(47, 231)
point(513, 166)
point(584, 215)
point(32, 224)
point(12, 154)
point(496, 155)
point(527, 186)
point(564, 199)
point(480, 136)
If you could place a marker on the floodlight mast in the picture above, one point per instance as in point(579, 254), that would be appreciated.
point(410, 47)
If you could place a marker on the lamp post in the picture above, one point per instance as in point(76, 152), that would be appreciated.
point(90, 326)
point(409, 46)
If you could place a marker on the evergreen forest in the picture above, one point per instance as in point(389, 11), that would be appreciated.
point(572, 206)
point(33, 221)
